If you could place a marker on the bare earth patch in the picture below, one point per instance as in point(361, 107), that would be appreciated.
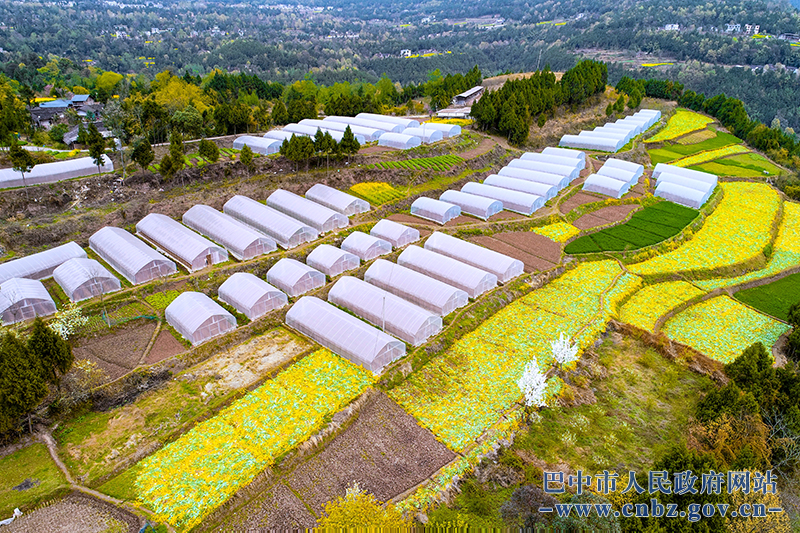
point(577, 200)
point(505, 215)
point(76, 512)
point(532, 243)
point(119, 352)
point(604, 216)
point(166, 345)
point(532, 262)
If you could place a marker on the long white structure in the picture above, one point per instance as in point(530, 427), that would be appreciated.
point(24, 299)
point(344, 334)
point(198, 318)
point(565, 152)
point(705, 187)
point(54, 172)
point(310, 131)
point(406, 321)
point(397, 234)
point(502, 266)
point(41, 264)
point(251, 295)
point(179, 242)
point(132, 258)
point(619, 174)
point(337, 200)
point(448, 130)
point(285, 230)
point(419, 289)
point(516, 184)
point(469, 279)
point(554, 159)
point(547, 178)
point(319, 217)
point(405, 122)
point(437, 211)
point(426, 135)
point(401, 141)
point(241, 241)
point(366, 247)
point(281, 135)
point(82, 278)
point(368, 134)
point(600, 144)
point(386, 127)
point(519, 202)
point(331, 260)
point(570, 172)
point(258, 145)
point(635, 168)
point(294, 278)
point(472, 204)
point(679, 194)
point(606, 185)
point(685, 172)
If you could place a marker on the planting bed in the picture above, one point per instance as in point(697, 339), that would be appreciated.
point(532, 243)
point(532, 262)
point(119, 351)
point(577, 200)
point(166, 345)
point(604, 216)
point(76, 512)
point(775, 298)
point(681, 123)
point(654, 301)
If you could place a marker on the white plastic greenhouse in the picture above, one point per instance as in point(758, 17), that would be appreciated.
point(630, 128)
point(448, 130)
point(621, 137)
point(519, 202)
point(434, 210)
point(251, 295)
point(53, 172)
point(606, 185)
point(469, 279)
point(570, 172)
point(636, 168)
point(367, 123)
point(516, 184)
point(405, 122)
point(281, 135)
point(23, 299)
point(404, 320)
point(603, 144)
point(399, 140)
point(337, 200)
point(40, 265)
point(565, 152)
point(667, 177)
point(635, 125)
point(344, 334)
point(285, 230)
point(82, 278)
point(534, 175)
point(331, 260)
point(258, 145)
point(680, 171)
point(618, 174)
point(294, 278)
point(198, 318)
point(502, 266)
point(397, 234)
point(366, 246)
point(427, 135)
point(319, 217)
point(179, 242)
point(360, 132)
point(241, 241)
point(679, 194)
point(472, 204)
point(424, 291)
point(610, 131)
point(129, 256)
point(310, 131)
point(554, 159)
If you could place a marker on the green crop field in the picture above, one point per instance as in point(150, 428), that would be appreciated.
point(774, 298)
point(649, 226)
point(440, 163)
point(743, 166)
point(671, 152)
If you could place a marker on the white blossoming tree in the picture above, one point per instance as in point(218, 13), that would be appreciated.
point(68, 320)
point(565, 352)
point(533, 385)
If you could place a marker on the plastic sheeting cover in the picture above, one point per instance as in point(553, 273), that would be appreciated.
point(281, 135)
point(571, 172)
point(534, 175)
point(405, 122)
point(285, 230)
point(251, 295)
point(310, 131)
point(397, 234)
point(367, 123)
point(399, 140)
point(129, 256)
point(472, 204)
point(636, 168)
point(24, 299)
point(504, 267)
point(419, 289)
point(434, 210)
point(294, 278)
point(679, 194)
point(319, 217)
point(428, 135)
point(82, 278)
point(258, 145)
point(242, 241)
point(619, 174)
point(40, 265)
point(337, 200)
point(592, 143)
point(685, 172)
point(344, 334)
point(367, 247)
point(519, 202)
point(473, 281)
point(448, 130)
point(190, 249)
point(554, 159)
point(516, 184)
point(702, 186)
point(404, 320)
point(565, 152)
point(198, 318)
point(53, 172)
point(332, 261)
point(606, 185)
point(368, 134)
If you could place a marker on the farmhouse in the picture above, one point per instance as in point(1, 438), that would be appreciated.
point(468, 97)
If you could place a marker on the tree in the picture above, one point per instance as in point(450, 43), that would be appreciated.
point(591, 522)
point(349, 144)
point(117, 121)
point(360, 510)
point(22, 386)
point(188, 121)
point(165, 167)
point(176, 151)
point(246, 157)
point(794, 315)
point(533, 385)
point(208, 150)
point(22, 161)
point(97, 146)
point(143, 153)
point(53, 352)
point(279, 115)
point(564, 350)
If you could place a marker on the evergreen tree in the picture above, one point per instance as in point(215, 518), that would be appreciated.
point(165, 167)
point(349, 144)
point(53, 353)
point(22, 385)
point(246, 157)
point(176, 151)
point(97, 146)
point(209, 150)
point(143, 153)
point(279, 115)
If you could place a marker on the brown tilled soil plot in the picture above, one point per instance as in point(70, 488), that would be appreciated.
point(76, 512)
point(166, 345)
point(384, 450)
point(605, 216)
point(119, 352)
point(577, 200)
point(532, 262)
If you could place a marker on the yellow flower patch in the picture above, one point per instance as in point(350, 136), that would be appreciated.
point(193, 475)
point(736, 231)
point(722, 328)
point(376, 193)
point(681, 123)
point(559, 232)
point(654, 301)
point(710, 155)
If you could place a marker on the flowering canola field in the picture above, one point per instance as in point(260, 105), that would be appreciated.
point(654, 301)
point(679, 124)
point(736, 231)
point(193, 475)
point(559, 232)
point(785, 253)
point(376, 192)
point(461, 393)
point(710, 155)
point(722, 328)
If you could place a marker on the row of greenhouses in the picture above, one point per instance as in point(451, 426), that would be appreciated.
point(690, 188)
point(54, 172)
point(613, 136)
point(614, 178)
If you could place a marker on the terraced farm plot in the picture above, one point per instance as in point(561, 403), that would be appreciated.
point(681, 123)
point(722, 328)
point(646, 227)
point(558, 232)
point(654, 301)
point(376, 193)
point(673, 151)
point(439, 163)
point(710, 155)
point(742, 166)
point(774, 298)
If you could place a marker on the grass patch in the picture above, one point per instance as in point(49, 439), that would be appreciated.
point(122, 487)
point(671, 152)
point(31, 463)
point(774, 298)
point(646, 227)
point(743, 166)
point(161, 300)
point(439, 163)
